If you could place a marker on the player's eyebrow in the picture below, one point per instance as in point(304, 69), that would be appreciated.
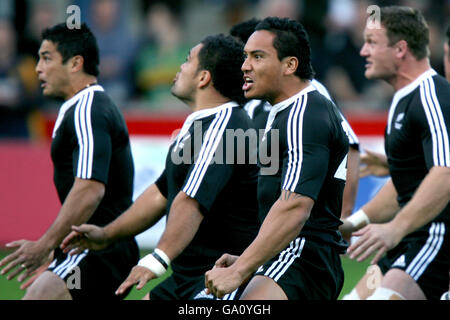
point(43, 53)
point(257, 51)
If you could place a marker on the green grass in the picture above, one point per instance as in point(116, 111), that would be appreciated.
point(10, 290)
point(353, 272)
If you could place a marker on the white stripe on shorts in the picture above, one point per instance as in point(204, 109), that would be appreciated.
point(69, 258)
point(286, 258)
point(428, 252)
point(230, 296)
point(74, 264)
point(71, 261)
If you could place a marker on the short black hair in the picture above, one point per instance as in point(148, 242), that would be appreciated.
point(291, 40)
point(405, 23)
point(223, 57)
point(244, 30)
point(73, 42)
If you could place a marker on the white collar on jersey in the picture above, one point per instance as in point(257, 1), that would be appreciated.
point(66, 105)
point(321, 88)
point(200, 114)
point(403, 92)
point(283, 105)
point(251, 106)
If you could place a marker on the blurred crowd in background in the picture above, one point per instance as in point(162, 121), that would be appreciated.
point(143, 43)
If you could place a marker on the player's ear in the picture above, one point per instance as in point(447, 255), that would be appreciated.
point(290, 65)
point(76, 63)
point(204, 78)
point(401, 48)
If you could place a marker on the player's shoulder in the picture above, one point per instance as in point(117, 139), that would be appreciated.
point(239, 119)
point(102, 104)
point(429, 93)
point(441, 82)
point(317, 102)
point(102, 100)
point(442, 87)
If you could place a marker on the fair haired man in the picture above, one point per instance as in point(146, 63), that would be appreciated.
point(409, 217)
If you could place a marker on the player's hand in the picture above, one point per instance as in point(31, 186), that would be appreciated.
point(373, 238)
point(37, 273)
point(86, 236)
point(346, 229)
point(221, 281)
point(28, 256)
point(139, 275)
point(374, 164)
point(225, 260)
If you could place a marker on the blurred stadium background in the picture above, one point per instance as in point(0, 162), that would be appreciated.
point(142, 44)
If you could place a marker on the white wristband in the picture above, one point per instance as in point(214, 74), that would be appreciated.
point(163, 256)
point(151, 263)
point(359, 219)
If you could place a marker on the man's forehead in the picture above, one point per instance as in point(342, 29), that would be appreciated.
point(47, 46)
point(260, 39)
point(195, 50)
point(374, 32)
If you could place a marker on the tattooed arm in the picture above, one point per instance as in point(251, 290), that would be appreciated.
point(282, 224)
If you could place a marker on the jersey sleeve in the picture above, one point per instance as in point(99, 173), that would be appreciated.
point(352, 137)
point(210, 172)
point(91, 160)
point(306, 158)
point(435, 124)
point(161, 184)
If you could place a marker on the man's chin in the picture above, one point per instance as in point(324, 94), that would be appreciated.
point(48, 94)
point(250, 94)
point(52, 95)
point(370, 75)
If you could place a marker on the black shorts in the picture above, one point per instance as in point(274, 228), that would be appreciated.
point(179, 287)
point(96, 274)
point(425, 256)
point(306, 270)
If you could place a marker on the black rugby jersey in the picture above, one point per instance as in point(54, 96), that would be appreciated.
point(90, 141)
point(352, 138)
point(416, 136)
point(218, 173)
point(311, 160)
point(258, 111)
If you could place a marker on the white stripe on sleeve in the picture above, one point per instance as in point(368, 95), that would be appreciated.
point(212, 139)
point(295, 144)
point(83, 127)
point(438, 129)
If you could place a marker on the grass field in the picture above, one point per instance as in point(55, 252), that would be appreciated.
point(9, 290)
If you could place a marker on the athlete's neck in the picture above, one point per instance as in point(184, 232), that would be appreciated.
point(290, 89)
point(408, 72)
point(208, 99)
point(79, 84)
